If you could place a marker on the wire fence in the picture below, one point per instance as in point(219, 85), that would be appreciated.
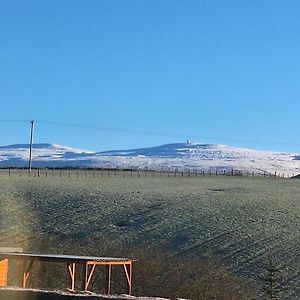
point(137, 173)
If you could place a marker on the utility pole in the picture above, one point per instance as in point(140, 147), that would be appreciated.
point(30, 146)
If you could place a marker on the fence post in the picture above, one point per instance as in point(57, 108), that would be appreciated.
point(8, 171)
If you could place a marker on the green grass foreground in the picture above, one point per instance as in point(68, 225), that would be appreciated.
point(190, 234)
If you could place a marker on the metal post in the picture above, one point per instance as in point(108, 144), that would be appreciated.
point(84, 277)
point(109, 279)
point(30, 146)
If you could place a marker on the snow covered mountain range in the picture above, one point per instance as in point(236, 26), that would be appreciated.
point(179, 156)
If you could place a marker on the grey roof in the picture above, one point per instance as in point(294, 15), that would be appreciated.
point(63, 257)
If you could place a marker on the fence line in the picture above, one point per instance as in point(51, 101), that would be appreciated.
point(98, 173)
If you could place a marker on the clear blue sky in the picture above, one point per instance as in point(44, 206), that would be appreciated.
point(218, 71)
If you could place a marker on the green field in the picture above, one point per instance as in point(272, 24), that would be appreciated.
point(241, 221)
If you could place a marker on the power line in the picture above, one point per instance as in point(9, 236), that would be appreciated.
point(133, 131)
point(155, 133)
point(14, 121)
point(113, 129)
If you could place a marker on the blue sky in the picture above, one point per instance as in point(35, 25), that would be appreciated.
point(213, 71)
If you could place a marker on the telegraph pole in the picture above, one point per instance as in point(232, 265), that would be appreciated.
point(30, 146)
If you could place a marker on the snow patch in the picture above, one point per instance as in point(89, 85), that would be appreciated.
point(177, 156)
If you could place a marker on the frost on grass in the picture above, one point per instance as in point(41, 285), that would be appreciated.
point(237, 220)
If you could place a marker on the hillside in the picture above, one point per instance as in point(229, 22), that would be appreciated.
point(178, 156)
point(173, 226)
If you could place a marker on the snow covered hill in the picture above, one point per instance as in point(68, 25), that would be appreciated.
point(179, 156)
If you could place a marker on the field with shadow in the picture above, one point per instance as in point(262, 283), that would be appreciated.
point(194, 236)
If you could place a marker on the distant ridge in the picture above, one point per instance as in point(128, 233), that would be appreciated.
point(168, 150)
point(42, 145)
point(176, 156)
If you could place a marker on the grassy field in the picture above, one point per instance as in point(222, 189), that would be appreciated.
point(241, 221)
